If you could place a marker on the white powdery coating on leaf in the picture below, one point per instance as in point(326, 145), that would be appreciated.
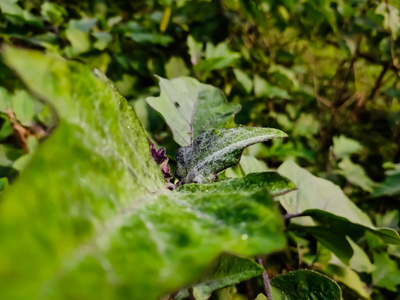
point(217, 150)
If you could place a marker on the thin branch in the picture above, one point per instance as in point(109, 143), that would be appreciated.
point(378, 81)
point(267, 284)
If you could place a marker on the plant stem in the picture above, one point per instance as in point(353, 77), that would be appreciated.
point(267, 284)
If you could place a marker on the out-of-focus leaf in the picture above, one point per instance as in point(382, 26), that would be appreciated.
point(217, 150)
point(360, 262)
point(151, 38)
point(24, 107)
point(304, 285)
point(263, 89)
point(344, 146)
point(6, 128)
point(225, 271)
point(195, 50)
point(216, 57)
point(191, 108)
point(103, 39)
point(281, 73)
point(5, 100)
point(8, 154)
point(11, 7)
point(391, 184)
point(306, 126)
point(346, 276)
point(272, 181)
point(176, 67)
point(391, 17)
point(102, 219)
point(356, 175)
point(84, 24)
point(386, 273)
point(53, 13)
point(261, 297)
point(229, 293)
point(79, 40)
point(389, 219)
point(244, 80)
point(3, 184)
point(250, 164)
point(332, 240)
point(23, 160)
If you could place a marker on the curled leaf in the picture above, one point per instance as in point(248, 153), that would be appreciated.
point(216, 150)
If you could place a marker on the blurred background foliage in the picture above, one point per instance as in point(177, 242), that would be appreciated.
point(324, 71)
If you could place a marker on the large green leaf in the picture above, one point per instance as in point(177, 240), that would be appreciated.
point(225, 271)
point(305, 284)
point(191, 108)
point(89, 217)
point(217, 150)
point(328, 205)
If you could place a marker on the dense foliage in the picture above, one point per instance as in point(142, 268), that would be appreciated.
point(90, 202)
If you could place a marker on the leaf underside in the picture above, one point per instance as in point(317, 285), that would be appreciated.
point(328, 205)
point(217, 150)
point(191, 108)
point(89, 217)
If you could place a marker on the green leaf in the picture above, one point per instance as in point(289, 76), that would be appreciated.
point(272, 181)
point(176, 67)
point(3, 184)
point(103, 39)
point(191, 108)
point(386, 273)
point(216, 57)
point(348, 277)
point(360, 262)
point(225, 271)
point(261, 297)
point(250, 164)
point(304, 285)
point(217, 150)
point(53, 13)
point(5, 100)
point(150, 38)
point(391, 17)
point(318, 193)
point(101, 225)
point(8, 154)
point(24, 107)
point(244, 80)
point(11, 7)
point(344, 146)
point(195, 50)
point(391, 184)
point(356, 174)
point(327, 204)
point(332, 240)
point(80, 42)
point(6, 128)
point(264, 89)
